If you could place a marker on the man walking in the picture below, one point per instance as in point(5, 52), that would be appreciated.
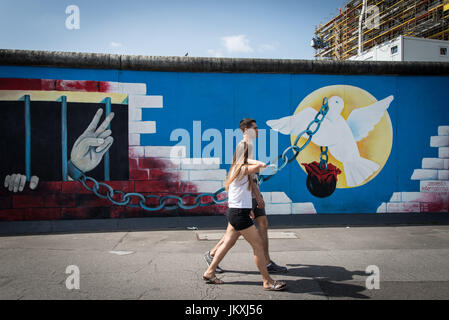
point(258, 213)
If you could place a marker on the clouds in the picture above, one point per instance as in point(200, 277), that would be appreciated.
point(117, 47)
point(239, 45)
point(114, 44)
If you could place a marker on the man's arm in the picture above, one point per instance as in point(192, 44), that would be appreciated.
point(256, 192)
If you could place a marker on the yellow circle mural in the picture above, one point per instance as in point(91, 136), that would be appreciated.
point(376, 146)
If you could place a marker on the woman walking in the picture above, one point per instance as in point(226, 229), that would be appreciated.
point(239, 186)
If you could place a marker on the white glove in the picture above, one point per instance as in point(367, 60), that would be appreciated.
point(16, 182)
point(92, 144)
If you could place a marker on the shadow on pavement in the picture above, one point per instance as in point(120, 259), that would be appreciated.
point(316, 280)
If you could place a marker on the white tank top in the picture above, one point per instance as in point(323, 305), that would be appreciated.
point(238, 194)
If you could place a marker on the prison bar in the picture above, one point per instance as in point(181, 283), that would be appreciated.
point(64, 150)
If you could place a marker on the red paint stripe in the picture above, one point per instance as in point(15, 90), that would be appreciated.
point(48, 85)
point(104, 86)
point(20, 84)
point(72, 85)
point(55, 85)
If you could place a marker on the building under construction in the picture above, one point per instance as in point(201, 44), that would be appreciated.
point(364, 24)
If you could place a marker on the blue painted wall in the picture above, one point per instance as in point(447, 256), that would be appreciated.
point(220, 100)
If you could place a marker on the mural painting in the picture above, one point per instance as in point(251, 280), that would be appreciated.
point(102, 149)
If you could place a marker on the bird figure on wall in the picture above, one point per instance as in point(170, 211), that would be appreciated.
point(340, 135)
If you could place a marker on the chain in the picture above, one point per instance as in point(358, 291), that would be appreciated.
point(121, 198)
point(324, 158)
point(137, 200)
point(297, 149)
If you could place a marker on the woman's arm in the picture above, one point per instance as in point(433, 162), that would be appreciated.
point(252, 161)
point(255, 168)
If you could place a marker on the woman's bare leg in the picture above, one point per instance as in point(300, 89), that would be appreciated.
point(229, 240)
point(253, 237)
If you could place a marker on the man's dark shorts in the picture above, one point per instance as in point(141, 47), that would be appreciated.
point(258, 212)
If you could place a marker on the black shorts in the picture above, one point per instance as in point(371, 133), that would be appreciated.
point(239, 218)
point(258, 212)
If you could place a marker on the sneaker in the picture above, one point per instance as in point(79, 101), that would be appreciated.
point(208, 258)
point(274, 268)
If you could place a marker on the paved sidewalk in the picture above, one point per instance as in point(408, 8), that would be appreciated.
point(324, 263)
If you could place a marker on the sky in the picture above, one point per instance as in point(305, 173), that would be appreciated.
point(279, 29)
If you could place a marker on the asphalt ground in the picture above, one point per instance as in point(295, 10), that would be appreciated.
point(323, 263)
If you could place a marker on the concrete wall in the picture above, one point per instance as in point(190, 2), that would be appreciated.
point(179, 108)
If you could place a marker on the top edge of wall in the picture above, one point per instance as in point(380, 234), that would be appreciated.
point(206, 64)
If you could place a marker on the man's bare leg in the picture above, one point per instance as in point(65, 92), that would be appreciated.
point(262, 228)
point(229, 240)
point(214, 250)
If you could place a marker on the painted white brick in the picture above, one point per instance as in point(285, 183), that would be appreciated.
point(219, 174)
point(134, 114)
point(132, 88)
point(172, 164)
point(424, 174)
point(303, 208)
point(439, 141)
point(420, 197)
point(136, 152)
point(208, 186)
point(432, 163)
point(135, 101)
point(382, 208)
point(280, 197)
point(443, 174)
point(134, 139)
point(438, 186)
point(278, 208)
point(446, 164)
point(175, 152)
point(443, 130)
point(200, 163)
point(266, 197)
point(393, 207)
point(182, 174)
point(443, 152)
point(396, 197)
point(142, 127)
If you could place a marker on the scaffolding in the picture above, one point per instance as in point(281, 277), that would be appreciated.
point(413, 18)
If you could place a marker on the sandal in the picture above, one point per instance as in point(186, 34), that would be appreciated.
point(277, 286)
point(213, 280)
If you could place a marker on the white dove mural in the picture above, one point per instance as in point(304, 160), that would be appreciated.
point(340, 135)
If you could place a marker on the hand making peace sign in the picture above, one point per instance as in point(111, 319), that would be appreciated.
point(93, 143)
